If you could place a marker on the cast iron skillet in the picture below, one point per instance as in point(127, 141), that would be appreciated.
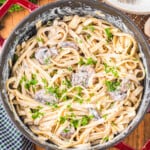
point(27, 29)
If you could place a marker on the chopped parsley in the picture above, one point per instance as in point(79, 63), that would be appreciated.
point(111, 105)
point(79, 90)
point(78, 40)
point(109, 69)
point(54, 90)
point(113, 124)
point(54, 105)
point(79, 100)
point(65, 98)
point(66, 130)
point(67, 83)
point(108, 34)
point(36, 112)
point(45, 82)
point(70, 68)
point(88, 61)
point(88, 100)
point(105, 116)
point(62, 119)
point(81, 62)
point(23, 79)
point(15, 58)
point(75, 123)
point(47, 60)
point(88, 36)
point(69, 107)
point(106, 139)
point(51, 90)
point(29, 83)
point(40, 39)
point(135, 59)
point(49, 23)
point(89, 27)
point(112, 85)
point(85, 120)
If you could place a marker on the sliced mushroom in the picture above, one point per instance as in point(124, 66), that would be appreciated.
point(43, 97)
point(121, 92)
point(118, 95)
point(82, 76)
point(44, 53)
point(67, 132)
point(54, 51)
point(67, 44)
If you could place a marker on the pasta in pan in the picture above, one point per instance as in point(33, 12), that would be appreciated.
point(77, 82)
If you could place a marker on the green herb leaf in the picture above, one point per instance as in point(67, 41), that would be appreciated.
point(90, 61)
point(49, 23)
point(36, 112)
point(30, 83)
point(56, 91)
point(79, 100)
point(89, 27)
point(70, 68)
point(88, 36)
point(15, 58)
point(135, 59)
point(85, 120)
point(109, 69)
point(113, 124)
point(54, 105)
point(69, 107)
point(51, 90)
point(67, 83)
point(40, 39)
point(33, 82)
point(48, 104)
point(62, 119)
point(45, 82)
point(75, 123)
point(79, 90)
point(105, 139)
point(108, 34)
point(23, 79)
point(111, 105)
point(112, 85)
point(78, 40)
point(105, 116)
point(47, 60)
point(81, 62)
point(37, 115)
point(66, 130)
point(65, 98)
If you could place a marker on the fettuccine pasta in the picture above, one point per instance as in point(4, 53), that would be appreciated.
point(77, 82)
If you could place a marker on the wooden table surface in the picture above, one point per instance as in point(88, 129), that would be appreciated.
point(136, 139)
